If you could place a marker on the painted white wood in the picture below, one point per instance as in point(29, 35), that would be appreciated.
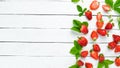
point(48, 35)
point(54, 22)
point(44, 62)
point(44, 8)
point(47, 49)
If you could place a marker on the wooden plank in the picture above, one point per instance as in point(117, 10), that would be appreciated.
point(44, 62)
point(46, 49)
point(48, 35)
point(15, 8)
point(40, 22)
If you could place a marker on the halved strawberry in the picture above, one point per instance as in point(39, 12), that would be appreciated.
point(80, 63)
point(94, 5)
point(101, 58)
point(99, 16)
point(99, 24)
point(88, 14)
point(116, 38)
point(117, 61)
point(112, 45)
point(102, 32)
point(84, 29)
point(106, 8)
point(88, 65)
point(84, 54)
point(94, 54)
point(94, 35)
point(82, 41)
point(117, 49)
point(96, 47)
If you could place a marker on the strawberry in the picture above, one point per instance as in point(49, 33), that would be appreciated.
point(94, 5)
point(94, 35)
point(94, 54)
point(99, 16)
point(109, 25)
point(102, 32)
point(88, 14)
point(84, 54)
point(99, 24)
point(96, 47)
point(106, 8)
point(84, 29)
point(82, 41)
point(101, 58)
point(116, 38)
point(80, 63)
point(88, 65)
point(117, 49)
point(117, 61)
point(112, 45)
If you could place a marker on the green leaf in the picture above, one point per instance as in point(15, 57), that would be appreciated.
point(109, 2)
point(108, 61)
point(117, 3)
point(100, 65)
point(76, 23)
point(80, 14)
point(75, 1)
point(79, 8)
point(77, 45)
point(84, 10)
point(117, 9)
point(75, 29)
point(74, 66)
point(74, 51)
point(85, 23)
point(106, 65)
point(118, 19)
point(77, 55)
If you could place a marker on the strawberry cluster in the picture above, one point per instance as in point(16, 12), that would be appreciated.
point(81, 42)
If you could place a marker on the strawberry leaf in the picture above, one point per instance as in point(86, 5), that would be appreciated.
point(117, 3)
point(100, 65)
point(75, 1)
point(109, 2)
point(117, 9)
point(77, 55)
point(79, 8)
point(118, 19)
point(75, 29)
point(85, 23)
point(84, 10)
point(80, 14)
point(74, 51)
point(108, 61)
point(76, 23)
point(77, 45)
point(74, 66)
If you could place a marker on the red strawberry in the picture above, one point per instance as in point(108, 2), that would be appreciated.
point(80, 63)
point(102, 32)
point(99, 24)
point(109, 25)
point(117, 61)
point(84, 29)
point(101, 58)
point(94, 35)
point(94, 5)
point(88, 15)
point(116, 38)
point(96, 47)
point(106, 8)
point(82, 41)
point(88, 65)
point(99, 16)
point(84, 54)
point(117, 48)
point(112, 45)
point(94, 54)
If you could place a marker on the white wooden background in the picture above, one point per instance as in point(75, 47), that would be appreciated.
point(36, 33)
